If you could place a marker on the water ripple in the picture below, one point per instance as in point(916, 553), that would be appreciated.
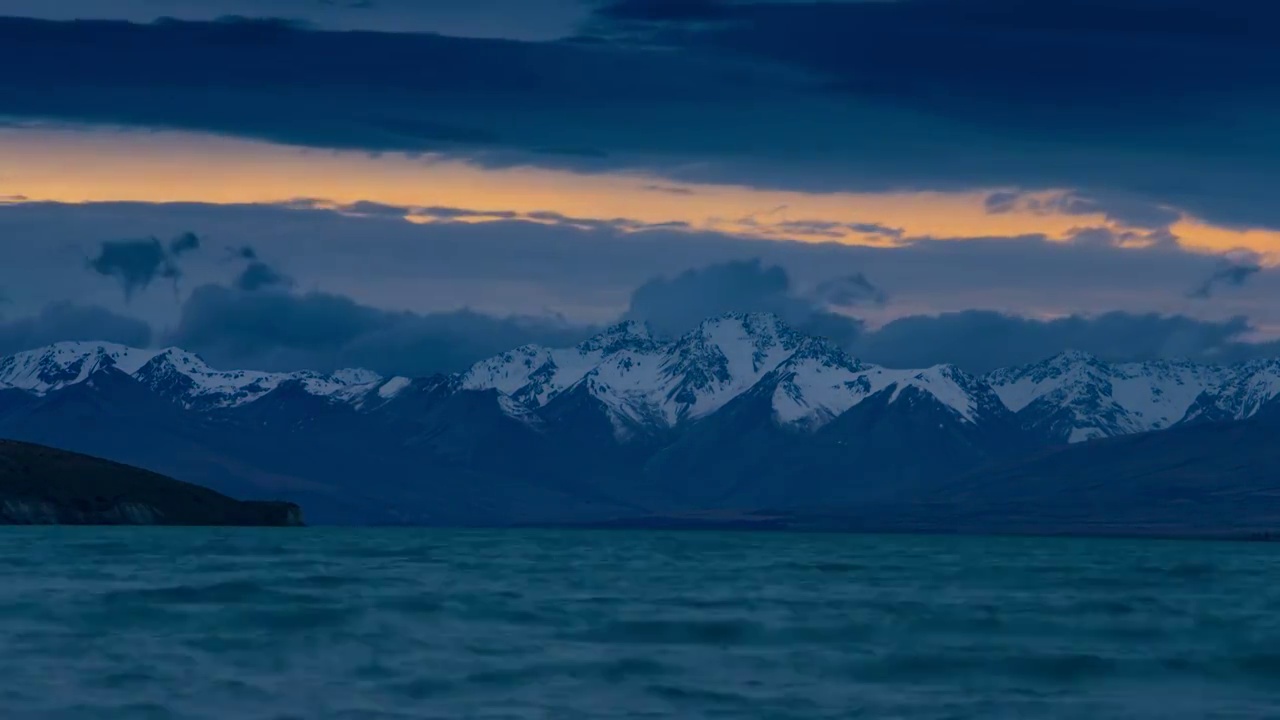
point(208, 624)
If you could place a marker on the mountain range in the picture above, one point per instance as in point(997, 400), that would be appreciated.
point(741, 416)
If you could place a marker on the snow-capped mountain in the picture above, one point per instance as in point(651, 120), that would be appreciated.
point(740, 412)
point(1243, 391)
point(640, 380)
point(1075, 396)
point(644, 382)
point(174, 373)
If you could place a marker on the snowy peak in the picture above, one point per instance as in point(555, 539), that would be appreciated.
point(189, 380)
point(51, 368)
point(511, 371)
point(968, 397)
point(641, 379)
point(722, 358)
point(1065, 375)
point(818, 383)
point(629, 335)
point(532, 375)
point(172, 372)
point(815, 389)
point(644, 383)
point(1076, 397)
point(1241, 392)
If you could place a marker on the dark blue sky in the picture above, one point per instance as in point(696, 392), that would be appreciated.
point(516, 19)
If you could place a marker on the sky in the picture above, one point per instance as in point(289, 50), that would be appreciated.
point(411, 186)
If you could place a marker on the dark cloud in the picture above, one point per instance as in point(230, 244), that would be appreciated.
point(980, 340)
point(671, 306)
point(665, 10)
point(826, 228)
point(138, 263)
point(878, 230)
point(257, 274)
point(490, 18)
point(373, 209)
point(1095, 236)
point(365, 208)
point(447, 213)
point(134, 263)
point(1118, 61)
point(1002, 202)
point(606, 224)
point(59, 322)
point(976, 340)
point(186, 242)
point(285, 331)
point(1168, 104)
point(516, 266)
point(1143, 77)
point(261, 276)
point(850, 291)
point(1230, 274)
point(670, 189)
point(1127, 211)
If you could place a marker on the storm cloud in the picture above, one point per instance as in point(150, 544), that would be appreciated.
point(1230, 274)
point(285, 331)
point(672, 306)
point(64, 321)
point(324, 331)
point(1131, 102)
point(257, 274)
point(974, 303)
point(134, 263)
point(983, 340)
point(975, 340)
point(850, 291)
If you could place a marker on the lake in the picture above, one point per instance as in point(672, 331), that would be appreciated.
point(318, 623)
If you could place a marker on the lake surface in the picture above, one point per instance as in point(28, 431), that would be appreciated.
point(401, 623)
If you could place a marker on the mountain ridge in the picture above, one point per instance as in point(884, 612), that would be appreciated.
point(743, 413)
point(643, 380)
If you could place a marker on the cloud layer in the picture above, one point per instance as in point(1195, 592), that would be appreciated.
point(1166, 103)
point(278, 329)
point(285, 331)
point(58, 322)
point(436, 297)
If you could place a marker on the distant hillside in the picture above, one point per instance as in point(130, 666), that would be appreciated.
point(1220, 478)
point(41, 485)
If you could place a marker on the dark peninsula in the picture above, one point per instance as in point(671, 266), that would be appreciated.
point(45, 486)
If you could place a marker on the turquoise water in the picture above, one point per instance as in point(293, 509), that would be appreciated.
point(399, 623)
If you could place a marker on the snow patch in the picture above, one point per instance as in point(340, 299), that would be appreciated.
point(393, 387)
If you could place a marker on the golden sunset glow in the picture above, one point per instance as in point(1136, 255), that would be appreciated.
point(76, 166)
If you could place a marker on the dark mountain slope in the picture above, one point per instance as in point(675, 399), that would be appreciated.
point(42, 485)
point(882, 449)
point(1207, 478)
